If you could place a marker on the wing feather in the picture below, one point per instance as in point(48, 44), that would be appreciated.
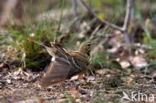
point(57, 72)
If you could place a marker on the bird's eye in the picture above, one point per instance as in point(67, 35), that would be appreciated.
point(89, 44)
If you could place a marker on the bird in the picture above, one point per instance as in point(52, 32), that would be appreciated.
point(65, 63)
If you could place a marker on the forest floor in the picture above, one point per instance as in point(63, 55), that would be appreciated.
point(106, 85)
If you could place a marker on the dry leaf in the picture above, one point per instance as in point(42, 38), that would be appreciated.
point(33, 100)
point(74, 77)
point(138, 61)
point(74, 93)
point(62, 100)
point(90, 78)
point(102, 71)
point(129, 81)
point(4, 67)
point(78, 77)
point(124, 64)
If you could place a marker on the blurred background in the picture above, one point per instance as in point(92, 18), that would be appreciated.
point(69, 23)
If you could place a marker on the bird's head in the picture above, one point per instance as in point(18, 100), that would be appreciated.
point(85, 47)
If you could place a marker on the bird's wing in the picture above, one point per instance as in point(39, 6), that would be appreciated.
point(79, 62)
point(57, 71)
point(60, 50)
point(80, 57)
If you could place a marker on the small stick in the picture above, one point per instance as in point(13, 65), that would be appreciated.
point(124, 28)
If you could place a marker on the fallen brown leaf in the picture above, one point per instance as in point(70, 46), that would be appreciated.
point(138, 61)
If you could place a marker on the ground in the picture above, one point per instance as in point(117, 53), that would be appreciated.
point(106, 85)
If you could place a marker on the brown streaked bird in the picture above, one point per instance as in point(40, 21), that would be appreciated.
point(65, 63)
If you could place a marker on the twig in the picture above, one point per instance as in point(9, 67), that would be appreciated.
point(74, 8)
point(101, 20)
point(124, 28)
point(95, 31)
point(128, 16)
point(129, 11)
